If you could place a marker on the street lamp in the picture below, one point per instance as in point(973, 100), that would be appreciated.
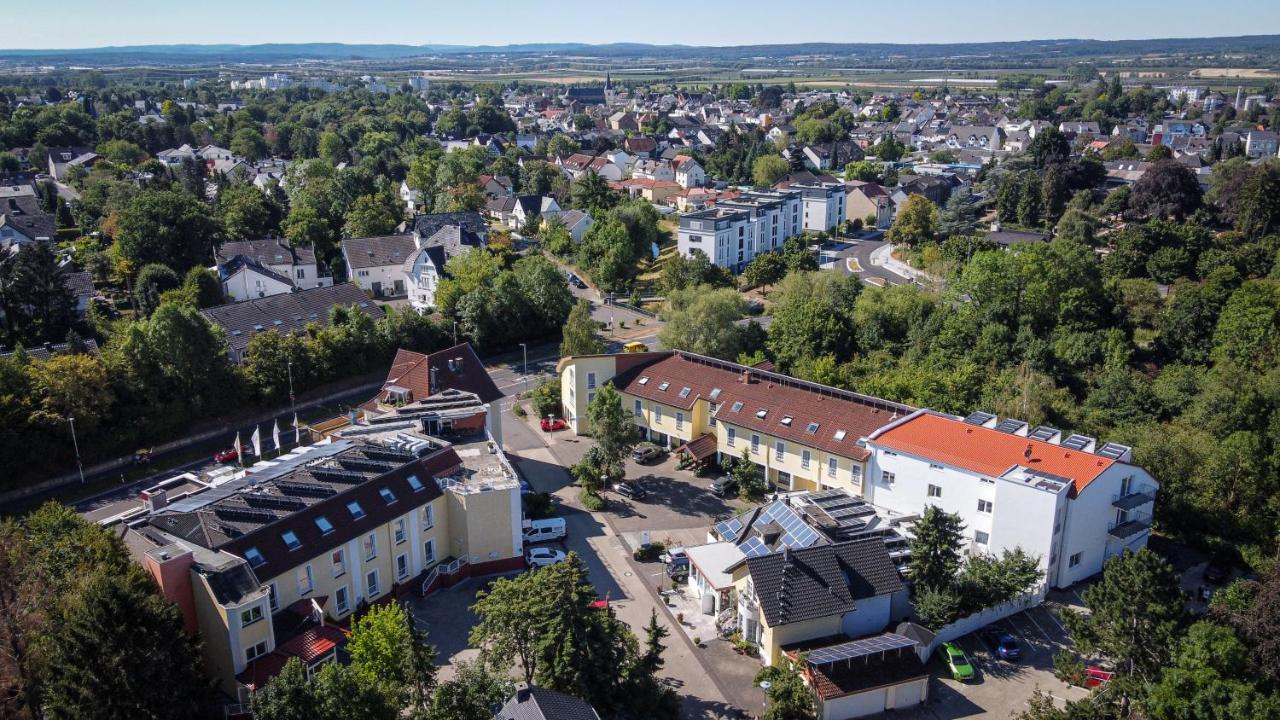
point(525, 371)
point(610, 313)
point(455, 332)
point(75, 443)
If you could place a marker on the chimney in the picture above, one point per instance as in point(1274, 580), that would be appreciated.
point(522, 692)
point(434, 384)
point(458, 364)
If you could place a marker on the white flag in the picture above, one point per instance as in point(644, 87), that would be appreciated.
point(239, 450)
point(297, 430)
point(275, 433)
point(257, 441)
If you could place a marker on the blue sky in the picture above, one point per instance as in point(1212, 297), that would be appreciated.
point(92, 23)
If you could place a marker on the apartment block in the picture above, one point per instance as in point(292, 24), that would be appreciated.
point(736, 230)
point(824, 204)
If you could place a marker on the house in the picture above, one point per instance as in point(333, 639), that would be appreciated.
point(80, 284)
point(411, 198)
point(1066, 500)
point(866, 199)
point(793, 596)
point(577, 222)
point(653, 170)
point(272, 563)
point(62, 159)
point(48, 350)
point(867, 676)
point(824, 204)
point(376, 264)
point(640, 146)
point(975, 137)
point(270, 266)
point(496, 186)
point(22, 219)
point(534, 703)
point(528, 207)
point(1261, 143)
point(936, 189)
point(416, 383)
point(737, 229)
point(285, 313)
point(579, 164)
point(689, 173)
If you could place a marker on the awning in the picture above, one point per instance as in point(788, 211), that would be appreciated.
point(701, 447)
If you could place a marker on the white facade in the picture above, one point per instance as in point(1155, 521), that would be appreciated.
point(247, 283)
point(736, 230)
point(422, 279)
point(824, 205)
point(690, 174)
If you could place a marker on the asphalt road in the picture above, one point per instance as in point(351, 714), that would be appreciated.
point(860, 252)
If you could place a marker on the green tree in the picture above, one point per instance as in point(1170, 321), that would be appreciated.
point(915, 224)
point(812, 317)
point(789, 697)
point(372, 215)
point(1209, 680)
point(764, 269)
point(248, 144)
point(612, 429)
point(578, 337)
point(36, 306)
point(936, 541)
point(1167, 189)
point(1049, 147)
point(289, 695)
point(681, 272)
point(960, 215)
point(169, 227)
point(202, 287)
point(1135, 612)
point(592, 192)
point(152, 281)
point(390, 655)
point(472, 693)
point(246, 213)
point(769, 169)
point(704, 321)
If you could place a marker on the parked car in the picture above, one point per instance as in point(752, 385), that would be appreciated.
point(1004, 645)
point(551, 423)
point(630, 490)
point(646, 453)
point(576, 281)
point(1095, 675)
point(546, 529)
point(543, 556)
point(724, 485)
point(226, 456)
point(957, 662)
point(674, 553)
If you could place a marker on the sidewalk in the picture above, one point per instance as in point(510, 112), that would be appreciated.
point(883, 257)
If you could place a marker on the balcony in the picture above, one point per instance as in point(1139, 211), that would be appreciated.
point(1129, 528)
point(1135, 498)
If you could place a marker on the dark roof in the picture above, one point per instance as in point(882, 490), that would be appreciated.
point(1016, 237)
point(233, 265)
point(231, 582)
point(23, 213)
point(833, 680)
point(256, 515)
point(424, 226)
point(412, 370)
point(287, 312)
point(377, 251)
point(454, 239)
point(268, 251)
point(534, 703)
point(822, 580)
point(79, 283)
point(44, 352)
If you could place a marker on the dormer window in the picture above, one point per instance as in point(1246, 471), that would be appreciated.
point(414, 482)
point(356, 511)
point(387, 496)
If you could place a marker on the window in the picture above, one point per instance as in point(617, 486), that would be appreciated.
point(339, 560)
point(679, 421)
point(290, 540)
point(755, 443)
point(886, 478)
point(664, 385)
point(684, 392)
point(305, 580)
point(301, 273)
point(402, 566)
point(804, 459)
point(711, 414)
point(831, 467)
point(812, 428)
point(371, 583)
point(414, 483)
point(255, 651)
point(779, 450)
point(644, 380)
point(935, 466)
point(935, 491)
point(591, 397)
point(340, 602)
point(1074, 560)
point(387, 496)
point(981, 538)
point(855, 474)
point(323, 523)
point(786, 420)
point(428, 517)
point(357, 512)
point(591, 381)
point(737, 406)
point(371, 546)
point(733, 437)
point(254, 557)
point(762, 414)
point(639, 409)
point(401, 530)
point(984, 506)
point(657, 413)
point(428, 552)
point(250, 616)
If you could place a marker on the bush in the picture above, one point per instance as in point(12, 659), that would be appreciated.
point(538, 506)
point(518, 410)
point(937, 608)
point(649, 553)
point(591, 501)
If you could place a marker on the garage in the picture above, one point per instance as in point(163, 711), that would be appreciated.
point(867, 676)
point(854, 706)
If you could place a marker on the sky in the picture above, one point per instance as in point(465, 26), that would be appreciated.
point(52, 24)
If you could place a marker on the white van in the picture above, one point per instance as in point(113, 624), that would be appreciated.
point(545, 530)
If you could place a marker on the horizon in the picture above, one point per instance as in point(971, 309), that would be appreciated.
point(94, 24)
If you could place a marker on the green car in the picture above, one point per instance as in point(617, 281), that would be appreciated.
point(961, 668)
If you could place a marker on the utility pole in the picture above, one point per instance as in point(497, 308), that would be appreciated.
point(610, 314)
point(76, 444)
point(525, 371)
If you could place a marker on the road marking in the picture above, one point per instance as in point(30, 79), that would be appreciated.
point(1047, 639)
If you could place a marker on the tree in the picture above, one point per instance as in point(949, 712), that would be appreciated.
point(1049, 147)
point(612, 429)
point(249, 144)
point(764, 269)
point(289, 695)
point(1135, 612)
point(472, 693)
point(681, 272)
point(507, 631)
point(863, 170)
point(544, 293)
point(390, 655)
point(169, 227)
point(591, 192)
point(751, 482)
point(704, 321)
point(789, 697)
point(769, 169)
point(247, 213)
point(935, 548)
point(202, 287)
point(35, 302)
point(1167, 189)
point(915, 224)
point(960, 215)
point(372, 215)
point(1209, 679)
point(578, 337)
point(812, 317)
point(152, 281)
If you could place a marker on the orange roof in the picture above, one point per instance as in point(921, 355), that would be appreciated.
point(989, 452)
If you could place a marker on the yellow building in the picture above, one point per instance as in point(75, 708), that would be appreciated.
point(272, 563)
point(802, 435)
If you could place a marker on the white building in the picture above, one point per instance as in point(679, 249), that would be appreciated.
point(1067, 501)
point(252, 269)
point(738, 229)
point(824, 204)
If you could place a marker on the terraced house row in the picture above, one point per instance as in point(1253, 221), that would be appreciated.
point(1067, 499)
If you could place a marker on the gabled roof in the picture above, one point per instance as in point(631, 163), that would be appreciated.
point(822, 580)
point(533, 703)
point(381, 251)
point(424, 226)
point(412, 371)
point(287, 312)
point(268, 251)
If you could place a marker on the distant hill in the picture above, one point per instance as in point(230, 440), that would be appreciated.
point(276, 53)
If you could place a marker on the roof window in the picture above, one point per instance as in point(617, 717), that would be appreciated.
point(254, 557)
point(323, 523)
point(290, 539)
point(357, 512)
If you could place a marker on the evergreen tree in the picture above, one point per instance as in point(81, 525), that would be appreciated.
point(935, 549)
point(35, 302)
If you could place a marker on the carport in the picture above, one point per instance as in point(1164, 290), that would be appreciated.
point(867, 676)
point(697, 451)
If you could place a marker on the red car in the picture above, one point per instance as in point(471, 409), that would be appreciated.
point(553, 423)
point(226, 456)
point(1096, 675)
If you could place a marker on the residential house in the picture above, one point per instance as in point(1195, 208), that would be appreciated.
point(535, 703)
point(62, 159)
point(411, 198)
point(577, 222)
point(270, 266)
point(415, 384)
point(867, 676)
point(376, 264)
point(22, 219)
point(824, 204)
point(285, 313)
point(48, 350)
point(653, 170)
point(528, 207)
point(975, 137)
point(866, 199)
point(689, 173)
point(1261, 144)
point(579, 164)
point(640, 146)
point(438, 238)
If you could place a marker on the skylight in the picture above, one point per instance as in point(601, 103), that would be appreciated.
point(840, 435)
point(387, 495)
point(253, 556)
point(786, 420)
point(357, 512)
point(715, 393)
point(664, 386)
point(761, 413)
point(813, 428)
point(323, 523)
point(644, 380)
point(290, 540)
point(684, 392)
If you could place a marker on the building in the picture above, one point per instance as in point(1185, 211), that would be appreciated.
point(414, 377)
point(688, 172)
point(377, 264)
point(866, 199)
point(736, 230)
point(534, 703)
point(1066, 500)
point(1261, 144)
point(269, 563)
point(824, 204)
point(22, 220)
point(62, 159)
point(258, 268)
point(285, 313)
point(866, 676)
point(576, 222)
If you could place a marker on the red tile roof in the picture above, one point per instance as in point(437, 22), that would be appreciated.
point(412, 370)
point(989, 452)
point(308, 646)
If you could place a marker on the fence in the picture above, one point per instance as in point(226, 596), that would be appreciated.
point(984, 617)
point(633, 308)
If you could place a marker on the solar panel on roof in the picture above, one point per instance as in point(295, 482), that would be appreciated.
point(859, 648)
point(1043, 433)
point(1077, 442)
point(979, 418)
point(754, 547)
